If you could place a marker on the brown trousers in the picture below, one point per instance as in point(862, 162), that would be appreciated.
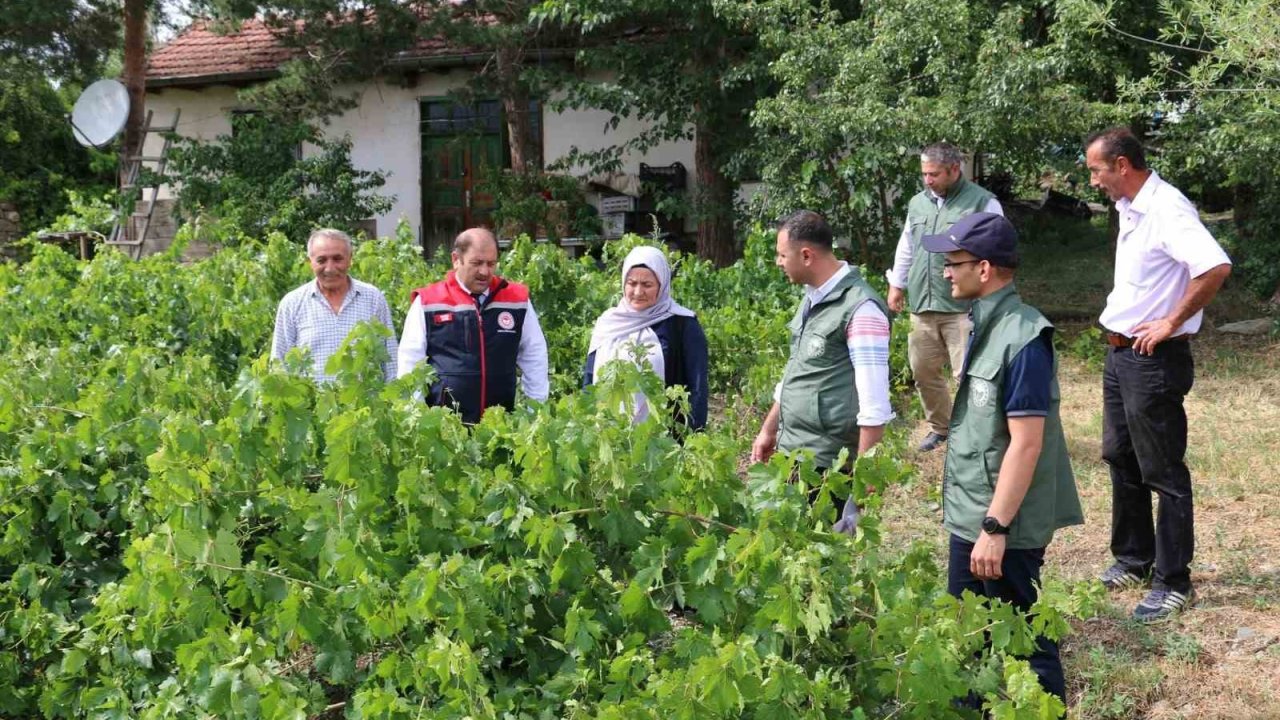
point(937, 339)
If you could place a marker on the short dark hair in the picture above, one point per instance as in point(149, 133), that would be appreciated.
point(807, 226)
point(469, 237)
point(1118, 142)
point(943, 153)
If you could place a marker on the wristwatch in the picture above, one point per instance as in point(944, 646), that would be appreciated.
point(992, 526)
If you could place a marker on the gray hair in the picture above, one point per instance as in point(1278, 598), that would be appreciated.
point(943, 153)
point(332, 234)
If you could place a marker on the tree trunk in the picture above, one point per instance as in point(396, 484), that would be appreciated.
point(515, 106)
point(713, 204)
point(134, 78)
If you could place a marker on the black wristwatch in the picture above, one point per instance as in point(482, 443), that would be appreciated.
point(992, 526)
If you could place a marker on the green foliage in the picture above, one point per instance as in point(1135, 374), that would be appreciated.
point(193, 531)
point(861, 87)
point(63, 39)
point(1211, 82)
point(547, 205)
point(40, 161)
point(260, 180)
point(86, 212)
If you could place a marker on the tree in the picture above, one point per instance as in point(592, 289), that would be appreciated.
point(1214, 81)
point(862, 87)
point(134, 77)
point(39, 158)
point(255, 180)
point(683, 90)
point(65, 39)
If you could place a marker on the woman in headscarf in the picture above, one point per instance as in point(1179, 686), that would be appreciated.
point(669, 335)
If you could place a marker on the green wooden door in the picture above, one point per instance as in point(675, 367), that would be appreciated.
point(461, 147)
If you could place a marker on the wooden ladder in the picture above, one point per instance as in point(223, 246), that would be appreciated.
point(129, 233)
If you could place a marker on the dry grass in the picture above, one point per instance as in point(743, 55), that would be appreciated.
point(1221, 660)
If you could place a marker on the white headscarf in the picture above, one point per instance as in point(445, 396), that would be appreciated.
point(622, 321)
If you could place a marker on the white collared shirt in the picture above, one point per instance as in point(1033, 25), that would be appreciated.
point(904, 255)
point(1161, 246)
point(531, 354)
point(867, 339)
point(305, 319)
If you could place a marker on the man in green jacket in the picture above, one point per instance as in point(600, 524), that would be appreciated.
point(834, 393)
point(939, 322)
point(1007, 484)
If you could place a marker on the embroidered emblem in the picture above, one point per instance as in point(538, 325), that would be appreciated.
point(442, 318)
point(815, 347)
point(506, 320)
point(982, 393)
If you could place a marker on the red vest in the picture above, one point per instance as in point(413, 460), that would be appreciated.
point(471, 347)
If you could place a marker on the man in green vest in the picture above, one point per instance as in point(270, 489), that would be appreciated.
point(939, 322)
point(834, 392)
point(1007, 484)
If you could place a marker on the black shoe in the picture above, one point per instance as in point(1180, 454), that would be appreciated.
point(1163, 604)
point(1117, 578)
point(932, 441)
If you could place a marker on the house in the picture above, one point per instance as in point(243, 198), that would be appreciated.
point(404, 124)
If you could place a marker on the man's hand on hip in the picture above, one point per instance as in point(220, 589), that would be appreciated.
point(1149, 334)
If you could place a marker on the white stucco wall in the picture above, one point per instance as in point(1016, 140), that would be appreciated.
point(384, 128)
point(206, 114)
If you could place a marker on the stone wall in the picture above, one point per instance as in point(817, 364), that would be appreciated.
point(10, 228)
point(10, 222)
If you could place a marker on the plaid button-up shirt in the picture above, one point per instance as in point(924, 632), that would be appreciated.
point(305, 319)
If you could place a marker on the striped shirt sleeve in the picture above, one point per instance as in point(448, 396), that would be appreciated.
point(867, 337)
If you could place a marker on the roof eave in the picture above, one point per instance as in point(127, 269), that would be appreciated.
point(243, 77)
point(411, 61)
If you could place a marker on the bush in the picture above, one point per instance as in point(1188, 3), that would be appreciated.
point(259, 179)
point(40, 161)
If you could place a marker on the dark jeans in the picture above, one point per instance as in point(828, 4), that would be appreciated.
point(1020, 573)
point(1144, 440)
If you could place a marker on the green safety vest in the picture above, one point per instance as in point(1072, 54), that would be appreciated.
point(1002, 326)
point(927, 290)
point(818, 403)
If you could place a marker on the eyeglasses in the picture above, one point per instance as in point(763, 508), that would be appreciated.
point(949, 264)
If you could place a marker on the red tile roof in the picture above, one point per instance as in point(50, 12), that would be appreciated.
point(199, 55)
point(199, 52)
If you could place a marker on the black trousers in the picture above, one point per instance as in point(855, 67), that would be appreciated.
point(1144, 440)
point(1017, 586)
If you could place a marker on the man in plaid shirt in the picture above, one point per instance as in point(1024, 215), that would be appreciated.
point(321, 313)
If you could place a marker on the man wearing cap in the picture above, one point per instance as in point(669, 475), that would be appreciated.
point(1007, 483)
point(476, 329)
point(1168, 267)
point(939, 322)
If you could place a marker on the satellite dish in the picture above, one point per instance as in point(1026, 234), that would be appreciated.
point(100, 112)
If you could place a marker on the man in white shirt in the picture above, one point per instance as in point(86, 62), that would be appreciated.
point(834, 392)
point(319, 315)
point(475, 329)
point(1168, 267)
point(939, 322)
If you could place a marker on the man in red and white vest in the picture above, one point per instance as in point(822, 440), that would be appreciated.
point(476, 329)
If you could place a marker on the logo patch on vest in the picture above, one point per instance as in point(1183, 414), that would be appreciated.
point(442, 318)
point(982, 393)
point(506, 321)
point(815, 347)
